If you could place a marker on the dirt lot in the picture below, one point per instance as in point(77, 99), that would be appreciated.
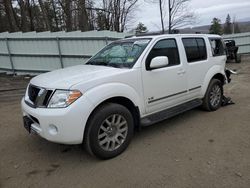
point(195, 149)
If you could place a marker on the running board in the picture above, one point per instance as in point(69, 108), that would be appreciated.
point(168, 113)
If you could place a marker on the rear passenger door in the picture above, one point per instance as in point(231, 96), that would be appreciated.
point(197, 64)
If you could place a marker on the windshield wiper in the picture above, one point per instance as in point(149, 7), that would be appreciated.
point(106, 64)
point(102, 63)
point(89, 63)
point(96, 63)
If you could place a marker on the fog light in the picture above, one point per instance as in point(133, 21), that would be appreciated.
point(53, 129)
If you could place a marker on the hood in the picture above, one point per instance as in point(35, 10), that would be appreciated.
point(67, 77)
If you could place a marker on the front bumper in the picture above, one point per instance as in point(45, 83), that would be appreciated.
point(61, 125)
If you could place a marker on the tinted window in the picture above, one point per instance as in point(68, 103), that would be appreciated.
point(195, 49)
point(202, 48)
point(217, 47)
point(166, 47)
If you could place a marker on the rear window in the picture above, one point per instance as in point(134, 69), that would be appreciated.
point(217, 46)
point(195, 49)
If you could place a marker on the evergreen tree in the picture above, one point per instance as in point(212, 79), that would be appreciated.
point(216, 28)
point(228, 25)
point(141, 28)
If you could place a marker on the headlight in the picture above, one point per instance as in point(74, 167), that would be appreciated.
point(63, 98)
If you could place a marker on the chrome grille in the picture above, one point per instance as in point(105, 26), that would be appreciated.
point(33, 93)
point(38, 97)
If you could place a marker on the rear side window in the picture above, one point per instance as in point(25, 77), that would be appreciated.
point(217, 47)
point(195, 49)
point(166, 47)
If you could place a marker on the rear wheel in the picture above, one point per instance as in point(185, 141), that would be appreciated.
point(109, 131)
point(213, 97)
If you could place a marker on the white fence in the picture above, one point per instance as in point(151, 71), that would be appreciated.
point(242, 40)
point(45, 51)
point(41, 52)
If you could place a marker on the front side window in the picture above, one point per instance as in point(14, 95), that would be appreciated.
point(195, 49)
point(217, 46)
point(166, 47)
point(120, 54)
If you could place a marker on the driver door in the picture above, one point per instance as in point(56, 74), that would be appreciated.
point(166, 86)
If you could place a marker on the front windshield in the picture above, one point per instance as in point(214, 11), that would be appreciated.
point(120, 54)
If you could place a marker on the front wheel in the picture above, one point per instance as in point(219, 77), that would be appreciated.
point(109, 131)
point(213, 97)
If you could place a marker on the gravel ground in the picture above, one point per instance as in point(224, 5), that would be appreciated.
point(196, 149)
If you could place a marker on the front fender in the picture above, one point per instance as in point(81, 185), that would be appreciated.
point(103, 92)
point(210, 74)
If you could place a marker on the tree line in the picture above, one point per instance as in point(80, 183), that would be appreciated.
point(84, 15)
point(65, 15)
point(228, 27)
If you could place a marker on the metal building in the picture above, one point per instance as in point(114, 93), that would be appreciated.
point(45, 51)
point(34, 53)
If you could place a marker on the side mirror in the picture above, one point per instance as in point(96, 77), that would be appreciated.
point(159, 62)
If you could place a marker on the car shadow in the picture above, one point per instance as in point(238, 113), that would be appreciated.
point(77, 152)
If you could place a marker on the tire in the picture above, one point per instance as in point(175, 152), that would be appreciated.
point(213, 97)
point(109, 131)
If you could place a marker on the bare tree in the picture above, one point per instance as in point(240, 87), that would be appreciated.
point(179, 14)
point(69, 15)
point(24, 21)
point(116, 14)
point(30, 15)
point(45, 15)
point(161, 13)
point(13, 25)
point(128, 8)
point(104, 18)
point(83, 16)
point(55, 16)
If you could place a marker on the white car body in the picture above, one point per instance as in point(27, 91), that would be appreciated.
point(145, 89)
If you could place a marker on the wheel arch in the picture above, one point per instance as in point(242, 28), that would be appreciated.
point(115, 93)
point(122, 101)
point(215, 72)
point(220, 77)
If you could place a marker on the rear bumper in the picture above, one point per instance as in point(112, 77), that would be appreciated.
point(228, 73)
point(62, 125)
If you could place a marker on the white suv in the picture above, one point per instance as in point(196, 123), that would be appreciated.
point(130, 83)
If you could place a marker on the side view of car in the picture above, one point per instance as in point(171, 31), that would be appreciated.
point(130, 83)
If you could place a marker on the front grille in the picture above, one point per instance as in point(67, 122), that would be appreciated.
point(38, 97)
point(47, 97)
point(33, 93)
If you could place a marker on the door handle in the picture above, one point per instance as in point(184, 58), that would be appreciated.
point(181, 71)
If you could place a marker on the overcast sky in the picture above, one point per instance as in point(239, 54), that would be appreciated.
point(205, 10)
